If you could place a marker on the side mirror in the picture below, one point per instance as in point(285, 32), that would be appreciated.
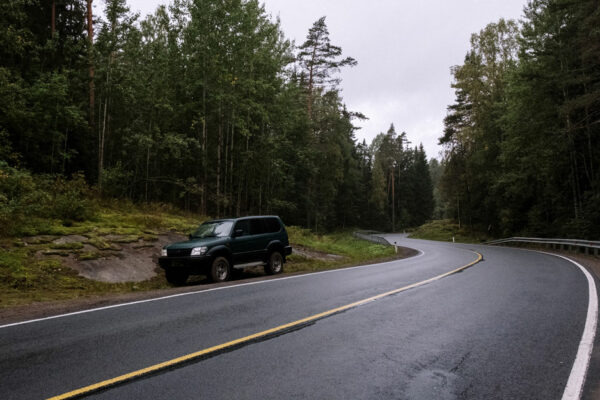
point(238, 232)
point(190, 236)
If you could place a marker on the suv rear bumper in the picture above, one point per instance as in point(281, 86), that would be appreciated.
point(287, 250)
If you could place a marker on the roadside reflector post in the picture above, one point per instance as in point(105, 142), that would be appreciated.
point(452, 239)
point(395, 247)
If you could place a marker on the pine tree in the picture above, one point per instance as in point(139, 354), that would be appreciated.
point(320, 60)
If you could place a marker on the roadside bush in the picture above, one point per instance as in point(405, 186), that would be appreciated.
point(19, 198)
point(117, 181)
point(25, 199)
point(71, 199)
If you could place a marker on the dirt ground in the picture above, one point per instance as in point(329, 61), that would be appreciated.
point(134, 262)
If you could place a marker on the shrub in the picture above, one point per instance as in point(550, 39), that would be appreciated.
point(72, 199)
point(25, 199)
point(19, 198)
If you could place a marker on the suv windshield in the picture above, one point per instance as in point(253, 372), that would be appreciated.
point(213, 229)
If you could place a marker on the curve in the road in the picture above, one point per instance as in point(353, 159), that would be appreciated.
point(259, 336)
point(576, 380)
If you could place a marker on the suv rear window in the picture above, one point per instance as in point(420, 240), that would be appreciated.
point(256, 226)
point(272, 225)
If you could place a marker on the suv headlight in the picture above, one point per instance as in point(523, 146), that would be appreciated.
point(163, 253)
point(198, 251)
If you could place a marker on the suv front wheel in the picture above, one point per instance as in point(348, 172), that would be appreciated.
point(220, 270)
point(274, 264)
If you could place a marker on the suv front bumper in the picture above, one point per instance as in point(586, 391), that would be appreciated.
point(190, 264)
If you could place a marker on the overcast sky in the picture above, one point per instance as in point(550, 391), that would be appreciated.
point(404, 49)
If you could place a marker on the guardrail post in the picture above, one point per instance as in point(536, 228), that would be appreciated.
point(596, 252)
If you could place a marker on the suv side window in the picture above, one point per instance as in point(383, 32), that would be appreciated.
point(257, 226)
point(244, 225)
point(272, 225)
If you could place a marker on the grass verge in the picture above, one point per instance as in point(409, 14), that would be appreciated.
point(445, 229)
point(33, 268)
point(350, 250)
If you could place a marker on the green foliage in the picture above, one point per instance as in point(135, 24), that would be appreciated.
point(89, 255)
point(445, 230)
point(12, 267)
point(522, 137)
point(27, 201)
point(347, 249)
point(71, 199)
point(203, 104)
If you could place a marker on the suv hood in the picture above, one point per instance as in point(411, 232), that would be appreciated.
point(197, 242)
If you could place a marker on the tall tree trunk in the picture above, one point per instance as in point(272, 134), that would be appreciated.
point(310, 83)
point(219, 146)
point(231, 159)
point(147, 172)
point(102, 135)
point(53, 22)
point(226, 172)
point(90, 26)
point(65, 151)
point(204, 144)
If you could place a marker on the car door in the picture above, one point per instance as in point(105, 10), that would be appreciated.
point(241, 244)
point(260, 239)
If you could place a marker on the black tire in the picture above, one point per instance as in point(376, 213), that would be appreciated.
point(274, 263)
point(220, 270)
point(175, 277)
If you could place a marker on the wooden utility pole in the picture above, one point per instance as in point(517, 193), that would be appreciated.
point(393, 204)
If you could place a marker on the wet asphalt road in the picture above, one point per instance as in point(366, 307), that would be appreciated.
point(506, 328)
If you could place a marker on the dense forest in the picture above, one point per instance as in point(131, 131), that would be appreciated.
point(522, 139)
point(203, 104)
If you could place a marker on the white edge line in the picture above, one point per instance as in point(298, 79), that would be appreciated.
point(574, 388)
point(576, 381)
point(421, 253)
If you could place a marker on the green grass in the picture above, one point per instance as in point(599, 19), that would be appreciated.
point(445, 230)
point(35, 272)
point(25, 278)
point(353, 251)
point(33, 269)
point(89, 255)
point(119, 218)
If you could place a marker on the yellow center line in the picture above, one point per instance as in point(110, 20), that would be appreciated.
point(201, 353)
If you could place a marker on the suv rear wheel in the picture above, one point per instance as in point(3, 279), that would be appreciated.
point(220, 270)
point(274, 264)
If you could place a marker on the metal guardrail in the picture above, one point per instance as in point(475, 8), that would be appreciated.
point(371, 237)
point(587, 246)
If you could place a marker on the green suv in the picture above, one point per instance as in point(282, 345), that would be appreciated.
point(219, 246)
